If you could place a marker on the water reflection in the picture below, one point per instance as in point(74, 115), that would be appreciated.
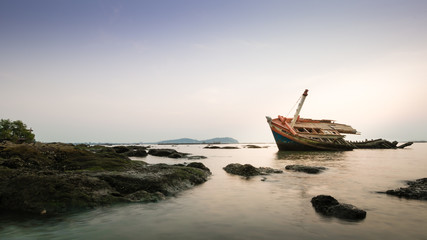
point(295, 155)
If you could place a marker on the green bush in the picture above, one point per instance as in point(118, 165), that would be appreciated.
point(16, 132)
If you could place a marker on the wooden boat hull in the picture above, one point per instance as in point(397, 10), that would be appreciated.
point(287, 141)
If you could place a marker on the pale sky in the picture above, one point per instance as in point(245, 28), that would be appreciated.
point(144, 71)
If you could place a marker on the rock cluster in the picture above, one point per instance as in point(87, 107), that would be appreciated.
point(416, 190)
point(247, 170)
point(172, 153)
point(131, 151)
point(252, 146)
point(165, 152)
point(329, 206)
point(306, 169)
point(56, 177)
point(217, 147)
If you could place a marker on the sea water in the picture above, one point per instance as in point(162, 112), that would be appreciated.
point(279, 207)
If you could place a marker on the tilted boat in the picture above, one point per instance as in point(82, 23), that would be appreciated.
point(308, 134)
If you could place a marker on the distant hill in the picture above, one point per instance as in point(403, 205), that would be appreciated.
point(194, 141)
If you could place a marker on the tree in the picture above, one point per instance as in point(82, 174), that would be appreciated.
point(15, 131)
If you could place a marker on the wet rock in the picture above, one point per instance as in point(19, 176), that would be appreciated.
point(329, 206)
point(196, 157)
point(268, 170)
point(176, 155)
point(161, 152)
point(212, 147)
point(138, 152)
point(55, 178)
point(170, 153)
point(230, 147)
point(144, 196)
point(121, 149)
point(198, 165)
point(245, 170)
point(217, 147)
point(13, 163)
point(254, 146)
point(416, 190)
point(306, 169)
point(248, 170)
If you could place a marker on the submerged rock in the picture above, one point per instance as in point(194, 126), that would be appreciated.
point(329, 206)
point(196, 157)
point(248, 170)
point(268, 170)
point(217, 147)
point(212, 147)
point(53, 178)
point(254, 146)
point(306, 169)
point(416, 190)
point(230, 147)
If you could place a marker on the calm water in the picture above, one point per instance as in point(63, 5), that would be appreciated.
point(231, 207)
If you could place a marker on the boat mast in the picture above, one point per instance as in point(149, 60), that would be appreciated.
point(304, 95)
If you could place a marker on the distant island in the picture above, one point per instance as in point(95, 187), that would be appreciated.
point(194, 141)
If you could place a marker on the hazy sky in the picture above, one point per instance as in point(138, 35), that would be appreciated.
point(141, 71)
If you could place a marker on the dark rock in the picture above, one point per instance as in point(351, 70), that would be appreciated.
point(306, 169)
point(176, 155)
point(121, 149)
point(161, 152)
point(323, 202)
point(252, 146)
point(171, 153)
point(268, 170)
point(196, 157)
point(54, 178)
point(212, 147)
point(416, 190)
point(217, 147)
point(230, 147)
point(198, 165)
point(329, 206)
point(248, 170)
point(347, 211)
point(144, 196)
point(139, 152)
point(13, 163)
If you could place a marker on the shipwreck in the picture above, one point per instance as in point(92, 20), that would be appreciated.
point(301, 134)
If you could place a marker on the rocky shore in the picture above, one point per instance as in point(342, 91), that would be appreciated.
point(415, 190)
point(54, 178)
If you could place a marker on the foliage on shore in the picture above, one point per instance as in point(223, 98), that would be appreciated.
point(15, 131)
